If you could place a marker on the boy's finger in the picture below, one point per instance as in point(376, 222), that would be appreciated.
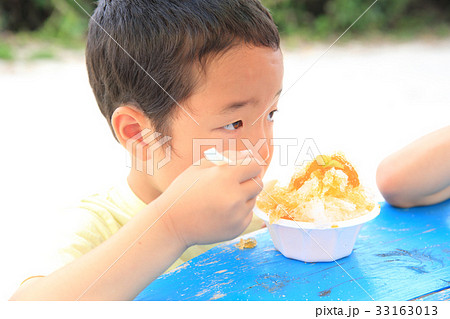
point(218, 158)
point(242, 162)
point(226, 156)
point(246, 171)
point(248, 219)
point(252, 187)
point(204, 163)
point(250, 204)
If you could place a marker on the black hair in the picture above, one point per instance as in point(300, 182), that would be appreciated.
point(167, 39)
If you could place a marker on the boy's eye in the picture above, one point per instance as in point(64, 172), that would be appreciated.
point(233, 126)
point(270, 115)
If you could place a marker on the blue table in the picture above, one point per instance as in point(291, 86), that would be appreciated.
point(403, 254)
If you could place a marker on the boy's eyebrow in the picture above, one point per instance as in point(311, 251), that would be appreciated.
point(236, 105)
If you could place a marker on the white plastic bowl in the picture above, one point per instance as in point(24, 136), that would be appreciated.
point(311, 242)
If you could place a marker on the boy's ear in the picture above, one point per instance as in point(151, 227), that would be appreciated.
point(131, 126)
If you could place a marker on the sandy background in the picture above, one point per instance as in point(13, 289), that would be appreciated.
point(364, 99)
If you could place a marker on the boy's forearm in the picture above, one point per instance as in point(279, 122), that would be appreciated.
point(418, 174)
point(130, 265)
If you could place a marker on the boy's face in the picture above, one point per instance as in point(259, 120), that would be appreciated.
point(252, 75)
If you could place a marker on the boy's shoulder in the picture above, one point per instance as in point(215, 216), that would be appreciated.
point(80, 227)
point(114, 206)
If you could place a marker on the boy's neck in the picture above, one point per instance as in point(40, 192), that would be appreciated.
point(141, 187)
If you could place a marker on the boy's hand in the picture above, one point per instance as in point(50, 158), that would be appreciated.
point(218, 206)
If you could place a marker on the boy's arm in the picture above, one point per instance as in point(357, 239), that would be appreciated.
point(194, 209)
point(140, 265)
point(418, 174)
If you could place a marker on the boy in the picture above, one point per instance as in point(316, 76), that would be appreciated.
point(188, 70)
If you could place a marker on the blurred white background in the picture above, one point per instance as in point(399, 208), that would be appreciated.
point(364, 99)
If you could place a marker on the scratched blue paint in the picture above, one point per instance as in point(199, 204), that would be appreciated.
point(439, 295)
point(401, 255)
